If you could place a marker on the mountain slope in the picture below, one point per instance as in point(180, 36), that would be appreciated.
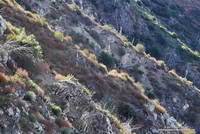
point(169, 29)
point(131, 84)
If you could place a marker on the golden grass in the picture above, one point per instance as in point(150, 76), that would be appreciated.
point(122, 75)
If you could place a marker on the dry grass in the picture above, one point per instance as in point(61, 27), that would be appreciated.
point(188, 131)
point(19, 76)
point(183, 80)
point(140, 87)
point(122, 75)
point(159, 108)
point(59, 77)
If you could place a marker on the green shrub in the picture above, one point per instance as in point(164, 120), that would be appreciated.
point(126, 111)
point(154, 51)
point(24, 122)
point(106, 58)
point(126, 43)
point(2, 100)
point(137, 69)
point(2, 3)
point(21, 37)
point(56, 110)
point(32, 118)
point(140, 48)
point(74, 6)
point(174, 35)
point(59, 36)
point(68, 38)
point(67, 130)
point(107, 27)
point(30, 96)
point(151, 95)
point(161, 64)
point(31, 84)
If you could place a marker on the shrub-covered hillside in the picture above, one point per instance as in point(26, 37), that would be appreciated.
point(63, 72)
point(169, 29)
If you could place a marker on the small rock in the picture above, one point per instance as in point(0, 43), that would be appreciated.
point(155, 116)
point(172, 122)
point(1, 112)
point(185, 107)
point(151, 107)
point(10, 112)
point(2, 25)
point(38, 127)
point(155, 131)
point(174, 100)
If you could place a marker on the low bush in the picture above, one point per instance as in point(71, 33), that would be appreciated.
point(106, 58)
point(126, 111)
point(151, 95)
point(68, 38)
point(30, 96)
point(154, 51)
point(56, 110)
point(23, 39)
point(2, 100)
point(59, 36)
point(108, 27)
point(161, 64)
point(2, 3)
point(127, 43)
point(67, 130)
point(140, 48)
point(174, 35)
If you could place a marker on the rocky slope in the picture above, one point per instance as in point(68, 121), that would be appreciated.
point(169, 29)
point(61, 72)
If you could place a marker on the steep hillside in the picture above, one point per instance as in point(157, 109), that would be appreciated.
point(62, 72)
point(169, 29)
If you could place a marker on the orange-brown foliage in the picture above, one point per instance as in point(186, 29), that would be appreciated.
point(22, 73)
point(3, 78)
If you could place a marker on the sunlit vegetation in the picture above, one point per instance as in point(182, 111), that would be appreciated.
point(20, 36)
point(56, 110)
point(107, 27)
point(140, 48)
point(2, 3)
point(74, 7)
point(126, 43)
